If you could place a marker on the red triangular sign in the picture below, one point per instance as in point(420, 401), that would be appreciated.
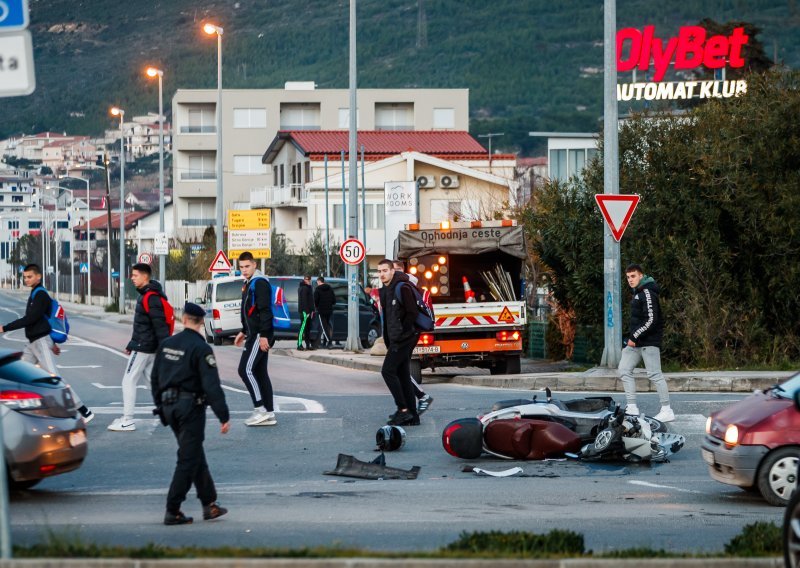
point(220, 264)
point(617, 210)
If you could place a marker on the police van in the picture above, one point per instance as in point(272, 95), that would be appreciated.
point(222, 301)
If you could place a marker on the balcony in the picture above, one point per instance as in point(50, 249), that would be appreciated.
point(198, 129)
point(194, 176)
point(294, 195)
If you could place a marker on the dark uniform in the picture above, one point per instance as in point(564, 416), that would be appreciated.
point(185, 380)
point(256, 315)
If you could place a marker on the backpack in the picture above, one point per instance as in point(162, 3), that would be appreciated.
point(59, 324)
point(425, 319)
point(280, 310)
point(169, 313)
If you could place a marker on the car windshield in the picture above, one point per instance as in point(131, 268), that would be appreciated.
point(788, 388)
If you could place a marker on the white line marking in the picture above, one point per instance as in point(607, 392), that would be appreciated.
point(102, 386)
point(657, 486)
point(78, 366)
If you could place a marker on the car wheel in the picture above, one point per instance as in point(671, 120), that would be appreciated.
point(416, 370)
point(791, 532)
point(372, 335)
point(777, 476)
point(217, 340)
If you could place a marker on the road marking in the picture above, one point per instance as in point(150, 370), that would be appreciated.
point(102, 386)
point(657, 486)
point(78, 366)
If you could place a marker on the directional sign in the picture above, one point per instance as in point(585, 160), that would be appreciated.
point(220, 263)
point(14, 15)
point(161, 244)
point(352, 251)
point(146, 258)
point(84, 267)
point(617, 210)
point(249, 230)
point(17, 76)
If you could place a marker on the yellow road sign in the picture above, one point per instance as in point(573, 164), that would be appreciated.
point(257, 253)
point(248, 219)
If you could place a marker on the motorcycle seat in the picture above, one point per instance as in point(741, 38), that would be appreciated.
point(530, 439)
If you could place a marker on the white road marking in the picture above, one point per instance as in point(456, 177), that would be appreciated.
point(657, 486)
point(102, 386)
point(78, 366)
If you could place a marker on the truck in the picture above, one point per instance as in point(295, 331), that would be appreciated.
point(473, 272)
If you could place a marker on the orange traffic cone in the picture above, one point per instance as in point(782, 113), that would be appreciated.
point(469, 295)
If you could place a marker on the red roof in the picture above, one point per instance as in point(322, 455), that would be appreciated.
point(101, 221)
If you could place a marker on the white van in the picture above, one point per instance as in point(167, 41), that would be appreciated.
point(222, 300)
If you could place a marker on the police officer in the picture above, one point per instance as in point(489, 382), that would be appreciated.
point(184, 381)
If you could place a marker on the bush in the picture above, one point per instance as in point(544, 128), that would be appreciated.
point(519, 543)
point(757, 539)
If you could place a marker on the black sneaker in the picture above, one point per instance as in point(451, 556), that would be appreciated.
point(424, 403)
point(177, 518)
point(404, 419)
point(301, 348)
point(213, 511)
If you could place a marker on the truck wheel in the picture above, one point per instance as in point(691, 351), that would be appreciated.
point(777, 476)
point(500, 367)
point(416, 370)
point(513, 366)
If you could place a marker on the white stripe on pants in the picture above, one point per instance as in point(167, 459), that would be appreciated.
point(140, 365)
point(40, 352)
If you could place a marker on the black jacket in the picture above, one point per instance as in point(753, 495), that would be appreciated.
point(149, 329)
point(186, 362)
point(36, 313)
point(256, 311)
point(647, 325)
point(398, 317)
point(305, 298)
point(324, 299)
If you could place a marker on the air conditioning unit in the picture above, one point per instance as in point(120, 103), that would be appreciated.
point(448, 182)
point(426, 182)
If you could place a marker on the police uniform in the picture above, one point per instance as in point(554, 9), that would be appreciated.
point(184, 381)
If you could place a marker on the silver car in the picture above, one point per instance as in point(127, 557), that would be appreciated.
point(43, 434)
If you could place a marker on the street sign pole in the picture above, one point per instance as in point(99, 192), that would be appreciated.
point(353, 343)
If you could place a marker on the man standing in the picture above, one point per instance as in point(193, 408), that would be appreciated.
point(184, 381)
point(150, 328)
point(324, 301)
point(256, 335)
point(305, 306)
point(644, 342)
point(400, 337)
point(40, 348)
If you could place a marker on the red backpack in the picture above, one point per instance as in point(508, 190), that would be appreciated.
point(169, 313)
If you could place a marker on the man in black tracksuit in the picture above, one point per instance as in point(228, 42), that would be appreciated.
point(324, 301)
point(305, 306)
point(256, 335)
point(184, 381)
point(400, 337)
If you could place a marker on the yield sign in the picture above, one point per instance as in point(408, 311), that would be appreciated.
point(221, 263)
point(617, 210)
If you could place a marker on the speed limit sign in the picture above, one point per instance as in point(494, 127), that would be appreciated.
point(352, 251)
point(146, 258)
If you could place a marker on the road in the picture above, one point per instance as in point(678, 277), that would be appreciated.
point(271, 478)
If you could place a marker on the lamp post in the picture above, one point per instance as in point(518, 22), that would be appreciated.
point(153, 72)
point(71, 240)
point(212, 29)
point(116, 111)
point(45, 229)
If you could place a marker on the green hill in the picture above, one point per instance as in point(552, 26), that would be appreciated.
point(529, 64)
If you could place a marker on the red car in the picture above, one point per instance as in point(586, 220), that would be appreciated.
point(755, 443)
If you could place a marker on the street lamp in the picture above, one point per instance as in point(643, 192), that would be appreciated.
point(71, 239)
point(212, 29)
point(153, 72)
point(116, 111)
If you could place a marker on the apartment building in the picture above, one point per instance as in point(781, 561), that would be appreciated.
point(252, 118)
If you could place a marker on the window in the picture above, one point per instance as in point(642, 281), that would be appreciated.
point(299, 222)
point(558, 165)
point(34, 224)
point(344, 118)
point(307, 177)
point(13, 224)
point(338, 216)
point(229, 291)
point(577, 159)
point(249, 118)
point(446, 210)
point(275, 176)
point(62, 224)
point(4, 250)
point(394, 116)
point(444, 118)
point(300, 116)
point(201, 120)
point(202, 166)
point(248, 165)
point(375, 216)
point(591, 153)
point(16, 198)
point(200, 213)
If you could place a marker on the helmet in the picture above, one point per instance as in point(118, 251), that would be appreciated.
point(390, 438)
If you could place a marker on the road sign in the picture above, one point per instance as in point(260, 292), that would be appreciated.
point(352, 251)
point(220, 263)
point(161, 244)
point(14, 15)
point(84, 268)
point(617, 210)
point(17, 76)
point(249, 230)
point(146, 258)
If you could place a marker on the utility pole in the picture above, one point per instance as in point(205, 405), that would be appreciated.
point(491, 135)
point(353, 343)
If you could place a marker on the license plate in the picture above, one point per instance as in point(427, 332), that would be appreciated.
point(77, 438)
point(708, 457)
point(430, 349)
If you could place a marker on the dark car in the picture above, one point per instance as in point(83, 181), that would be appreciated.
point(755, 443)
point(43, 435)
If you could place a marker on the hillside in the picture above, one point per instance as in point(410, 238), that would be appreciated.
point(529, 64)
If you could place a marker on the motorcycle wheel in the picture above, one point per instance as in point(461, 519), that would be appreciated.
point(656, 426)
point(604, 439)
point(791, 532)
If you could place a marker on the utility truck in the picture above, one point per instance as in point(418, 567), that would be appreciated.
point(473, 272)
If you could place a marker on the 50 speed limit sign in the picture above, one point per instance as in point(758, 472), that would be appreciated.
point(352, 251)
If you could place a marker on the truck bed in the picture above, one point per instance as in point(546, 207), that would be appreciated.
point(483, 315)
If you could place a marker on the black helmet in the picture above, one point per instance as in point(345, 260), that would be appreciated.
point(390, 438)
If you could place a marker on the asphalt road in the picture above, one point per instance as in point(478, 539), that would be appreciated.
point(271, 478)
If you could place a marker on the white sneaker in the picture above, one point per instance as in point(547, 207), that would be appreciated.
point(261, 418)
point(122, 425)
point(666, 415)
point(632, 410)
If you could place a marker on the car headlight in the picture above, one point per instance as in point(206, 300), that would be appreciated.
point(732, 435)
point(708, 425)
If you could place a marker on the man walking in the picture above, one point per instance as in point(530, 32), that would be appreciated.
point(400, 337)
point(150, 328)
point(644, 342)
point(256, 335)
point(305, 306)
point(324, 301)
point(40, 348)
point(185, 380)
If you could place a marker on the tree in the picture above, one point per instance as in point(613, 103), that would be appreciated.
point(314, 253)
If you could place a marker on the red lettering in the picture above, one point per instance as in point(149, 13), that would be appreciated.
point(690, 47)
point(635, 37)
point(647, 46)
point(737, 40)
point(662, 56)
point(716, 52)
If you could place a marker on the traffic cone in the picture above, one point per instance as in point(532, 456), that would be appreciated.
point(469, 295)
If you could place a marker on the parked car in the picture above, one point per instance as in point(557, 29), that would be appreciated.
point(755, 443)
point(43, 434)
point(222, 299)
point(791, 519)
